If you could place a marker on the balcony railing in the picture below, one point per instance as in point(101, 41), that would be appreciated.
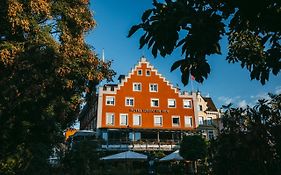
point(167, 145)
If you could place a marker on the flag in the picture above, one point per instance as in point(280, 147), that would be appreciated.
point(192, 77)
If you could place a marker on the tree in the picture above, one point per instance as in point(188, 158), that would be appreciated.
point(192, 148)
point(81, 159)
point(253, 29)
point(250, 140)
point(45, 65)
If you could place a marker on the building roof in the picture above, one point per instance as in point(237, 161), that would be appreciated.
point(210, 104)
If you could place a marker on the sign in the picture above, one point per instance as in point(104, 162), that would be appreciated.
point(149, 110)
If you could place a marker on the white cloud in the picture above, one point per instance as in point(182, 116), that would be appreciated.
point(225, 100)
point(278, 90)
point(242, 104)
point(260, 96)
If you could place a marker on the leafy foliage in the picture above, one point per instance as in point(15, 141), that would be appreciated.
point(193, 147)
point(196, 26)
point(81, 159)
point(250, 141)
point(45, 65)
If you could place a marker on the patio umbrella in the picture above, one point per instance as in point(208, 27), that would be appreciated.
point(128, 155)
point(175, 156)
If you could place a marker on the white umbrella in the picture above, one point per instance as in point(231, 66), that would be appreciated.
point(175, 156)
point(125, 156)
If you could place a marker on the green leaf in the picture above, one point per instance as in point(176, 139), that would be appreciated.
point(177, 64)
point(133, 29)
point(146, 14)
point(142, 41)
point(185, 78)
point(154, 50)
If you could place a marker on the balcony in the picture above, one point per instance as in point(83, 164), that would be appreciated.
point(147, 145)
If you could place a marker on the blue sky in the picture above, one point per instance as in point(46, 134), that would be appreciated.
point(226, 83)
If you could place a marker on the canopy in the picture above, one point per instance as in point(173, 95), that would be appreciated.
point(175, 156)
point(125, 156)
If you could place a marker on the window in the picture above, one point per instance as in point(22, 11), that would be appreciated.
point(171, 103)
point(209, 121)
point(187, 121)
point(154, 102)
point(136, 86)
point(186, 103)
point(110, 100)
point(175, 120)
point(109, 119)
point(158, 120)
point(123, 119)
point(136, 119)
point(129, 101)
point(105, 136)
point(139, 72)
point(148, 73)
point(210, 135)
point(134, 136)
point(200, 108)
point(200, 121)
point(153, 87)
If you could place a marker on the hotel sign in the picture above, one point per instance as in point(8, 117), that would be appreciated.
point(149, 110)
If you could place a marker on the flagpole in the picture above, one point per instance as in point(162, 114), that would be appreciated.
point(191, 79)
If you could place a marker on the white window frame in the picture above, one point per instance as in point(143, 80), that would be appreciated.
point(109, 99)
point(128, 99)
point(199, 121)
point(138, 123)
point(209, 121)
point(122, 115)
point(137, 85)
point(111, 121)
point(186, 100)
point(188, 122)
point(154, 99)
point(139, 72)
point(152, 87)
point(147, 70)
point(174, 100)
point(156, 123)
point(176, 124)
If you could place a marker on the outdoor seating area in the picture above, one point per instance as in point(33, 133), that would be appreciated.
point(130, 162)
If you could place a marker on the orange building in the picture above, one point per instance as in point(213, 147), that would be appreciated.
point(69, 132)
point(144, 108)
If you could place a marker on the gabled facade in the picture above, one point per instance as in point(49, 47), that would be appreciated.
point(208, 117)
point(143, 110)
point(144, 100)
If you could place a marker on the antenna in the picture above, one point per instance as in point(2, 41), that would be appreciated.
point(102, 55)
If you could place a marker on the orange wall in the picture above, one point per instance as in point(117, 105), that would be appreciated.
point(142, 101)
point(69, 132)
